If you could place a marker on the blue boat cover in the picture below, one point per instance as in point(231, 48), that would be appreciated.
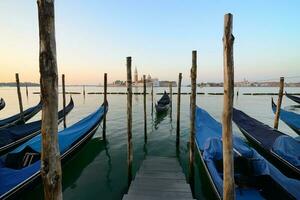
point(16, 132)
point(288, 148)
point(29, 111)
point(68, 137)
point(290, 118)
point(209, 141)
point(269, 138)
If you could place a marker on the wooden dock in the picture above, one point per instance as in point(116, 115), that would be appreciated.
point(159, 178)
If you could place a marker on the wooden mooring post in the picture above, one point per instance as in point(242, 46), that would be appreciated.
point(50, 156)
point(26, 90)
point(192, 120)
point(178, 111)
point(280, 94)
point(64, 99)
point(19, 97)
point(145, 111)
point(83, 90)
point(129, 121)
point(105, 103)
point(171, 93)
point(152, 99)
point(228, 168)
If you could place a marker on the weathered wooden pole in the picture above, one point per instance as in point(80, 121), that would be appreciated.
point(145, 111)
point(171, 93)
point(280, 94)
point(178, 111)
point(19, 97)
point(192, 120)
point(64, 98)
point(26, 90)
point(105, 101)
point(83, 92)
point(129, 121)
point(152, 99)
point(50, 155)
point(228, 180)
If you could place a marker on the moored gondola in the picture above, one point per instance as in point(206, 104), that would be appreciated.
point(281, 149)
point(15, 135)
point(2, 103)
point(24, 162)
point(293, 98)
point(290, 118)
point(255, 177)
point(16, 119)
point(163, 104)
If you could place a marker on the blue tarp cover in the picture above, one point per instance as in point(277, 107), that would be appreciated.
point(10, 178)
point(270, 139)
point(290, 118)
point(209, 140)
point(288, 148)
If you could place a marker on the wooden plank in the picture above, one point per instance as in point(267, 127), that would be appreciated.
point(144, 197)
point(162, 195)
point(161, 174)
point(159, 178)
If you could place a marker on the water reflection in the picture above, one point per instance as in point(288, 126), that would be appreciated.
point(109, 163)
point(73, 169)
point(159, 117)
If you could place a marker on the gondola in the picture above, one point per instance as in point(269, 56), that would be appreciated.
point(16, 119)
point(13, 136)
point(292, 97)
point(20, 169)
point(290, 118)
point(2, 104)
point(163, 104)
point(254, 176)
point(281, 149)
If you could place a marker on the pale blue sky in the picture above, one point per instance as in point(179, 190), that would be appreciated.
point(95, 36)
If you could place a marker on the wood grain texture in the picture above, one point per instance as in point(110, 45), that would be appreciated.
point(192, 120)
point(64, 99)
point(19, 97)
point(129, 121)
point(280, 94)
point(50, 155)
point(105, 101)
point(178, 110)
point(228, 39)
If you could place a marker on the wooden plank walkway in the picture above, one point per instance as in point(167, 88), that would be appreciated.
point(159, 178)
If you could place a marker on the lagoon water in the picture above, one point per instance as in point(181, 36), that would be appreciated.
point(99, 170)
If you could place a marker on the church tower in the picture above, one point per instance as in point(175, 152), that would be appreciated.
point(136, 76)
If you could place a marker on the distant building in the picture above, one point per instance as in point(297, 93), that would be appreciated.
point(136, 76)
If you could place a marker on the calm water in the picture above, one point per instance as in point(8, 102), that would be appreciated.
point(99, 171)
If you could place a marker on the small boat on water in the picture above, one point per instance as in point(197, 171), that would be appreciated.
point(20, 169)
point(2, 103)
point(15, 135)
point(254, 176)
point(163, 104)
point(290, 118)
point(16, 119)
point(281, 149)
point(292, 97)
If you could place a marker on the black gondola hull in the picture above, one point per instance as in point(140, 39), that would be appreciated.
point(281, 164)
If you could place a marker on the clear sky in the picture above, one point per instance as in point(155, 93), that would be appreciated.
point(95, 36)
